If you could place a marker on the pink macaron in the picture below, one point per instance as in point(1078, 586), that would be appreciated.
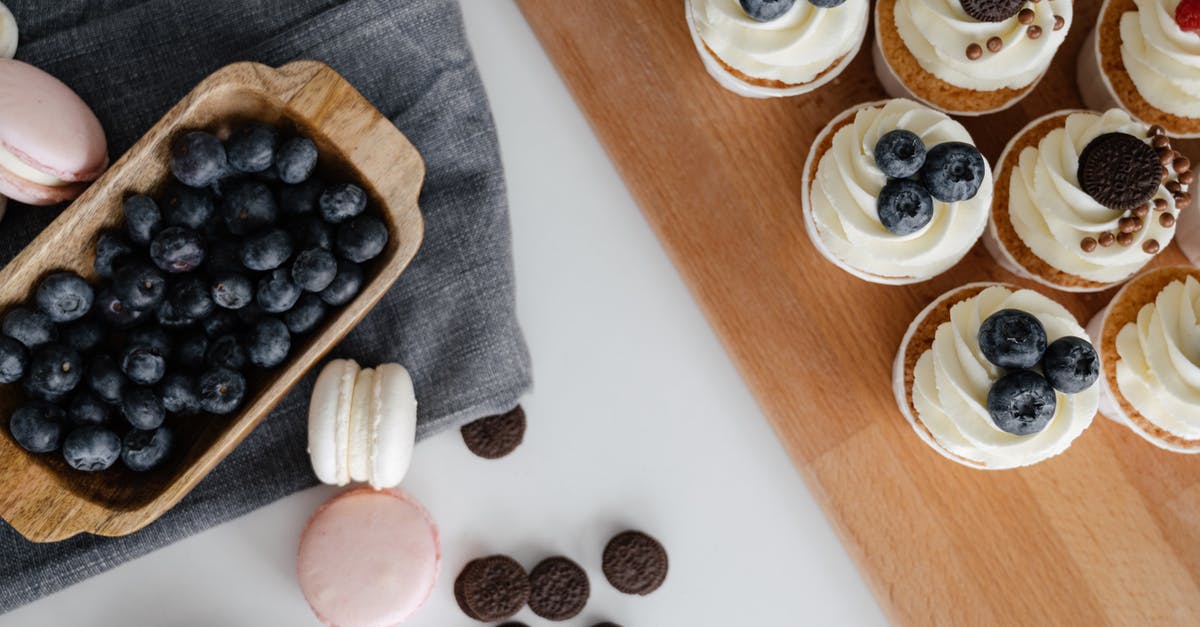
point(51, 144)
point(368, 558)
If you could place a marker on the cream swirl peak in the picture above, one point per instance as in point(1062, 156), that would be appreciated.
point(1163, 60)
point(842, 199)
point(793, 49)
point(1052, 215)
point(1158, 366)
point(952, 379)
point(1011, 53)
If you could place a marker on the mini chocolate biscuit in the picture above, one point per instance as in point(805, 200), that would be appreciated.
point(560, 589)
point(491, 588)
point(992, 10)
point(1119, 170)
point(635, 563)
point(494, 437)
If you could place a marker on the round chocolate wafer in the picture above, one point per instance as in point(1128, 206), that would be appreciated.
point(494, 437)
point(491, 588)
point(559, 589)
point(992, 10)
point(1120, 171)
point(635, 563)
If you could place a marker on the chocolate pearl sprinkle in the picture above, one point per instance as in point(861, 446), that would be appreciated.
point(994, 44)
point(1156, 130)
point(1161, 141)
point(1025, 16)
point(1174, 187)
point(1088, 244)
point(1142, 211)
point(1034, 31)
point(1125, 225)
point(1059, 22)
point(1181, 164)
point(1187, 178)
point(1160, 204)
point(974, 51)
point(1166, 156)
point(1183, 200)
point(1166, 220)
point(1107, 239)
point(1125, 239)
point(1150, 246)
point(1138, 224)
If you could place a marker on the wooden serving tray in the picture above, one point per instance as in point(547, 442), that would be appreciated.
point(1108, 533)
point(43, 498)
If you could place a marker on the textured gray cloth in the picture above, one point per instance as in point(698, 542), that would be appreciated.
point(450, 318)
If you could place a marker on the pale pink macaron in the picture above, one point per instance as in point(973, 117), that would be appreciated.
point(51, 144)
point(368, 558)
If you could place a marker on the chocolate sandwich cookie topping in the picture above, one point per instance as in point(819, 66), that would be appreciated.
point(1119, 171)
point(635, 563)
point(992, 10)
point(494, 437)
point(559, 589)
point(492, 588)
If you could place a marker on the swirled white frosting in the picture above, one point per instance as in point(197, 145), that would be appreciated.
point(1052, 214)
point(1158, 364)
point(794, 48)
point(845, 189)
point(937, 33)
point(952, 380)
point(1162, 60)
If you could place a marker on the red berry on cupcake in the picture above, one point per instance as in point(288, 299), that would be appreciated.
point(1187, 16)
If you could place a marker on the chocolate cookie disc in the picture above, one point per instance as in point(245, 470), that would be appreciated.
point(992, 10)
point(635, 563)
point(494, 437)
point(1120, 171)
point(560, 589)
point(491, 588)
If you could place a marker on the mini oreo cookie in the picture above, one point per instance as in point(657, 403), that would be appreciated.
point(559, 589)
point(635, 563)
point(1120, 171)
point(491, 588)
point(494, 437)
point(992, 10)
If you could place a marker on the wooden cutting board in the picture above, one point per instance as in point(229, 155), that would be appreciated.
point(1108, 533)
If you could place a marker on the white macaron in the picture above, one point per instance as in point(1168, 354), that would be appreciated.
point(8, 33)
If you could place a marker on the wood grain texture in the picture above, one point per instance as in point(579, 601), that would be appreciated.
point(1106, 534)
point(40, 496)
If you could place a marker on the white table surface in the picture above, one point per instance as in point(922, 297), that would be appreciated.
point(638, 419)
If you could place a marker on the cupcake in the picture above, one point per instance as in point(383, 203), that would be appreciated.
point(967, 57)
point(1085, 200)
point(993, 376)
point(895, 192)
point(1144, 56)
point(764, 48)
point(1149, 345)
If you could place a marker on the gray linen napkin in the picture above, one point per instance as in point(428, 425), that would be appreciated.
point(450, 318)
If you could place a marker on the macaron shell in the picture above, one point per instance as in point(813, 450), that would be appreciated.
point(47, 126)
point(361, 429)
point(30, 193)
point(329, 420)
point(395, 425)
point(368, 559)
point(8, 33)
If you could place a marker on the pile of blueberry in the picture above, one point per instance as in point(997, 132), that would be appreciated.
point(245, 250)
point(1022, 402)
point(949, 172)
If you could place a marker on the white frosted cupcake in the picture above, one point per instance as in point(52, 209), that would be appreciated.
point(967, 57)
point(1149, 340)
point(765, 48)
point(961, 403)
point(845, 193)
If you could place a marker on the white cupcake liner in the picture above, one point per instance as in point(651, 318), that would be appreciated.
point(748, 90)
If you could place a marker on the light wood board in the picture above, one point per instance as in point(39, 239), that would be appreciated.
point(1108, 533)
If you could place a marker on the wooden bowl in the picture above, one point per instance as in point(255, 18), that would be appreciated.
point(43, 498)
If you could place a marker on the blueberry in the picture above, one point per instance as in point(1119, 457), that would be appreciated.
point(83, 335)
point(221, 391)
point(189, 354)
point(277, 292)
point(31, 328)
point(826, 4)
point(311, 232)
point(143, 365)
point(314, 269)
point(232, 291)
point(171, 318)
point(152, 337)
point(143, 409)
point(14, 360)
point(362, 238)
point(37, 427)
point(221, 322)
point(252, 148)
point(953, 171)
point(1021, 402)
point(766, 10)
point(110, 247)
point(301, 198)
point(198, 159)
point(86, 408)
point(188, 207)
point(114, 312)
point(191, 298)
point(306, 315)
point(267, 250)
point(345, 286)
point(904, 206)
point(900, 154)
point(64, 296)
point(225, 352)
point(341, 202)
point(54, 370)
point(139, 285)
point(268, 343)
point(178, 394)
point(296, 159)
point(1071, 364)
point(91, 448)
point(177, 249)
point(142, 218)
point(247, 207)
point(146, 450)
point(104, 378)
point(1011, 338)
